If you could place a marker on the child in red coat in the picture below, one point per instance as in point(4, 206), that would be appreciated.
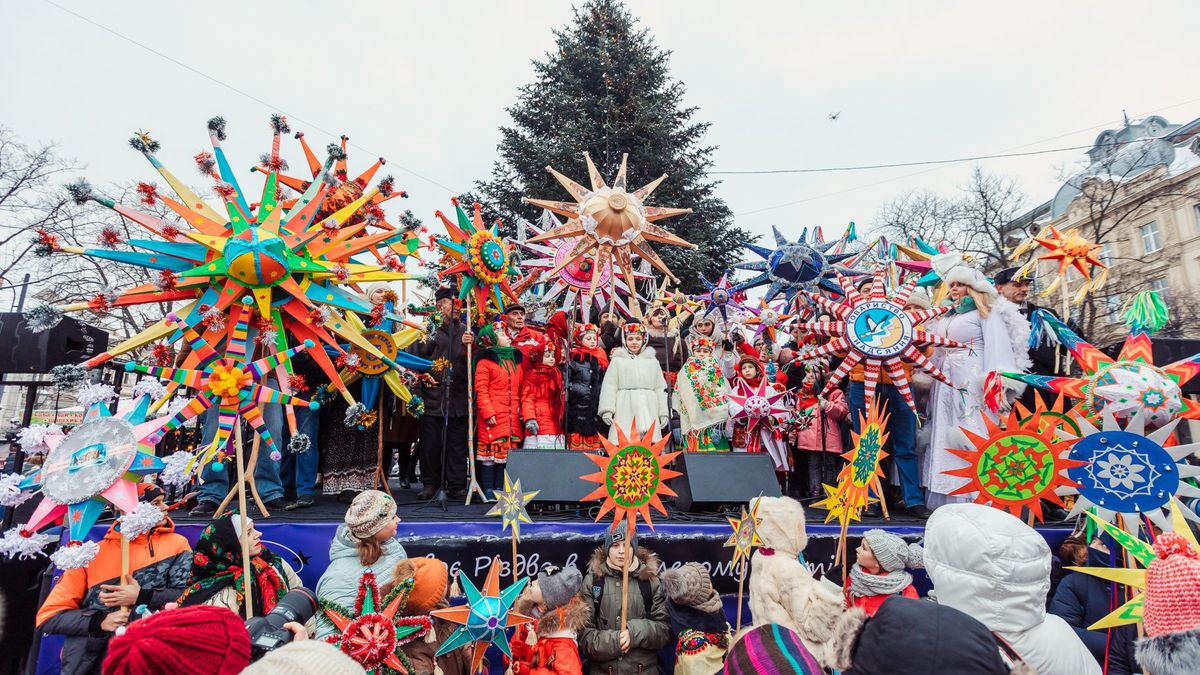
point(879, 571)
point(560, 613)
point(497, 404)
point(542, 400)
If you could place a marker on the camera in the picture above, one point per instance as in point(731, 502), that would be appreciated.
point(267, 632)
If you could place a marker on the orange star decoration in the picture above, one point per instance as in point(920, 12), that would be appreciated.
point(611, 221)
point(1017, 464)
point(1070, 250)
point(632, 477)
point(862, 469)
point(745, 533)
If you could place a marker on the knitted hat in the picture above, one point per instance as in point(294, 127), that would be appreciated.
point(892, 552)
point(1172, 587)
point(204, 640)
point(559, 585)
point(951, 267)
point(612, 536)
point(430, 578)
point(369, 513)
point(306, 657)
point(377, 286)
point(771, 648)
point(919, 298)
point(688, 584)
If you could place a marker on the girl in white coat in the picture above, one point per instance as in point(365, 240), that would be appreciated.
point(634, 393)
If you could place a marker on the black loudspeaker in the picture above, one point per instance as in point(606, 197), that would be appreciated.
point(711, 479)
point(554, 473)
point(69, 342)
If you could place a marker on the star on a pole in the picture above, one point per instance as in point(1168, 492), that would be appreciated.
point(510, 505)
point(745, 533)
point(485, 617)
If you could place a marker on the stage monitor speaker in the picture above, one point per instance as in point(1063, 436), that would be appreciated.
point(69, 342)
point(711, 479)
point(554, 473)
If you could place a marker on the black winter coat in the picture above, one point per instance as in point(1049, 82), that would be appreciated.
point(446, 343)
point(1082, 600)
point(583, 395)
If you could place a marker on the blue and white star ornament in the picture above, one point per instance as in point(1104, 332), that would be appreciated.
point(485, 618)
point(794, 266)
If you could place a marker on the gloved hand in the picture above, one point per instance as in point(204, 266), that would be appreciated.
point(663, 421)
point(531, 427)
point(607, 418)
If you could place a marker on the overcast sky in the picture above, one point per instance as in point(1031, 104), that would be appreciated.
point(425, 85)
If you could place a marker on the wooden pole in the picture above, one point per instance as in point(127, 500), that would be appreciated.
point(882, 501)
point(514, 552)
point(235, 491)
point(629, 553)
point(244, 535)
point(472, 483)
point(741, 584)
point(126, 577)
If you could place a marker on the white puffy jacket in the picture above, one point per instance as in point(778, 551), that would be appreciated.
point(992, 566)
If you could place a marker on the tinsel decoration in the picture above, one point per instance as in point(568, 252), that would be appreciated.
point(45, 244)
point(266, 337)
point(94, 392)
point(1146, 312)
point(269, 163)
point(299, 443)
point(318, 315)
point(348, 361)
point(68, 376)
point(335, 152)
point(162, 354)
point(42, 317)
point(33, 437)
point(297, 383)
point(149, 386)
point(440, 365)
point(416, 406)
point(357, 416)
point(377, 312)
point(279, 124)
point(75, 555)
point(101, 303)
point(142, 519)
point(23, 544)
point(213, 319)
point(341, 272)
point(388, 185)
point(10, 490)
point(393, 263)
point(216, 127)
point(143, 143)
point(80, 191)
point(147, 193)
point(110, 237)
point(166, 281)
point(206, 163)
point(170, 232)
point(177, 471)
point(225, 190)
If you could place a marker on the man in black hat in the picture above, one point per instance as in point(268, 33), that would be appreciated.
point(446, 400)
point(1044, 357)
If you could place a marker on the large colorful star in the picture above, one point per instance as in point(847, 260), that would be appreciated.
point(875, 330)
point(510, 505)
point(862, 470)
point(480, 256)
point(633, 476)
point(485, 617)
point(767, 319)
point(372, 634)
point(794, 266)
point(1070, 251)
point(1017, 464)
point(612, 224)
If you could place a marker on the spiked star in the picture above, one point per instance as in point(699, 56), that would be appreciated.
point(745, 533)
point(768, 319)
point(862, 470)
point(1070, 251)
point(485, 617)
point(510, 505)
point(480, 256)
point(719, 298)
point(633, 477)
point(793, 266)
point(372, 634)
point(611, 222)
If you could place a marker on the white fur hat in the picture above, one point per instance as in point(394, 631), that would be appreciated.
point(951, 267)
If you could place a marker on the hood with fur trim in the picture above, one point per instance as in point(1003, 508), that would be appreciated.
point(782, 525)
point(646, 353)
point(647, 569)
point(1170, 653)
point(571, 617)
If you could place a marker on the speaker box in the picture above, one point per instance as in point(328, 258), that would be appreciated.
point(712, 479)
point(555, 473)
point(69, 342)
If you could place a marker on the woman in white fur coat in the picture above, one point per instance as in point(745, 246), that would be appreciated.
point(782, 590)
point(997, 337)
point(634, 391)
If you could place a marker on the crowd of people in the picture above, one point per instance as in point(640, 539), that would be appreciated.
point(986, 613)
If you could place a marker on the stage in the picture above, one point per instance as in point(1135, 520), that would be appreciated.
point(466, 539)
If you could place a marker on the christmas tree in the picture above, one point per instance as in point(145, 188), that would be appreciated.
point(607, 89)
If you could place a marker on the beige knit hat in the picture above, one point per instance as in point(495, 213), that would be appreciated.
point(369, 513)
point(306, 657)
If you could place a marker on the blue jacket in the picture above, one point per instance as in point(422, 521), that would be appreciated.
point(1082, 600)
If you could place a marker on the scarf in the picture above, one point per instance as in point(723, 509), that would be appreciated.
point(505, 355)
point(217, 563)
point(596, 352)
point(706, 379)
point(545, 384)
point(965, 305)
point(863, 583)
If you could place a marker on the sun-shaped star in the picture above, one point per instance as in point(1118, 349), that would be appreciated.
point(633, 476)
point(510, 505)
point(745, 533)
point(614, 223)
point(485, 617)
point(477, 253)
point(875, 330)
point(372, 634)
point(1070, 251)
point(862, 470)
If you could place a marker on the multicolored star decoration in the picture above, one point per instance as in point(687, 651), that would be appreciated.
point(676, 302)
point(573, 281)
point(290, 262)
point(1123, 471)
point(876, 330)
point(1070, 251)
point(485, 617)
point(1055, 418)
point(1142, 551)
point(768, 319)
point(1129, 383)
point(745, 533)
point(372, 634)
point(633, 476)
point(862, 470)
point(920, 254)
point(388, 362)
point(228, 381)
point(99, 462)
point(510, 505)
point(476, 252)
point(721, 298)
point(794, 266)
point(1017, 464)
point(613, 223)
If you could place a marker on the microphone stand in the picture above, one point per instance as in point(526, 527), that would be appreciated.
point(440, 496)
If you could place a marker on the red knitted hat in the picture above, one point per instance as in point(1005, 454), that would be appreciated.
point(1172, 587)
point(201, 640)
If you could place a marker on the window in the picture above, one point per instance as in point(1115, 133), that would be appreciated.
point(1151, 239)
point(1113, 302)
point(1108, 252)
point(1196, 217)
point(1163, 288)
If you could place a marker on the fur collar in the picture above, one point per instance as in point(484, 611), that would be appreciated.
point(565, 621)
point(839, 649)
point(1018, 331)
point(646, 570)
point(647, 353)
point(1170, 653)
point(684, 617)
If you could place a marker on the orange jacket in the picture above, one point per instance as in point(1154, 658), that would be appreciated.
point(498, 395)
point(550, 656)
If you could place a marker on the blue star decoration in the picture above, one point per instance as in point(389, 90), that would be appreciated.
point(485, 617)
point(793, 266)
